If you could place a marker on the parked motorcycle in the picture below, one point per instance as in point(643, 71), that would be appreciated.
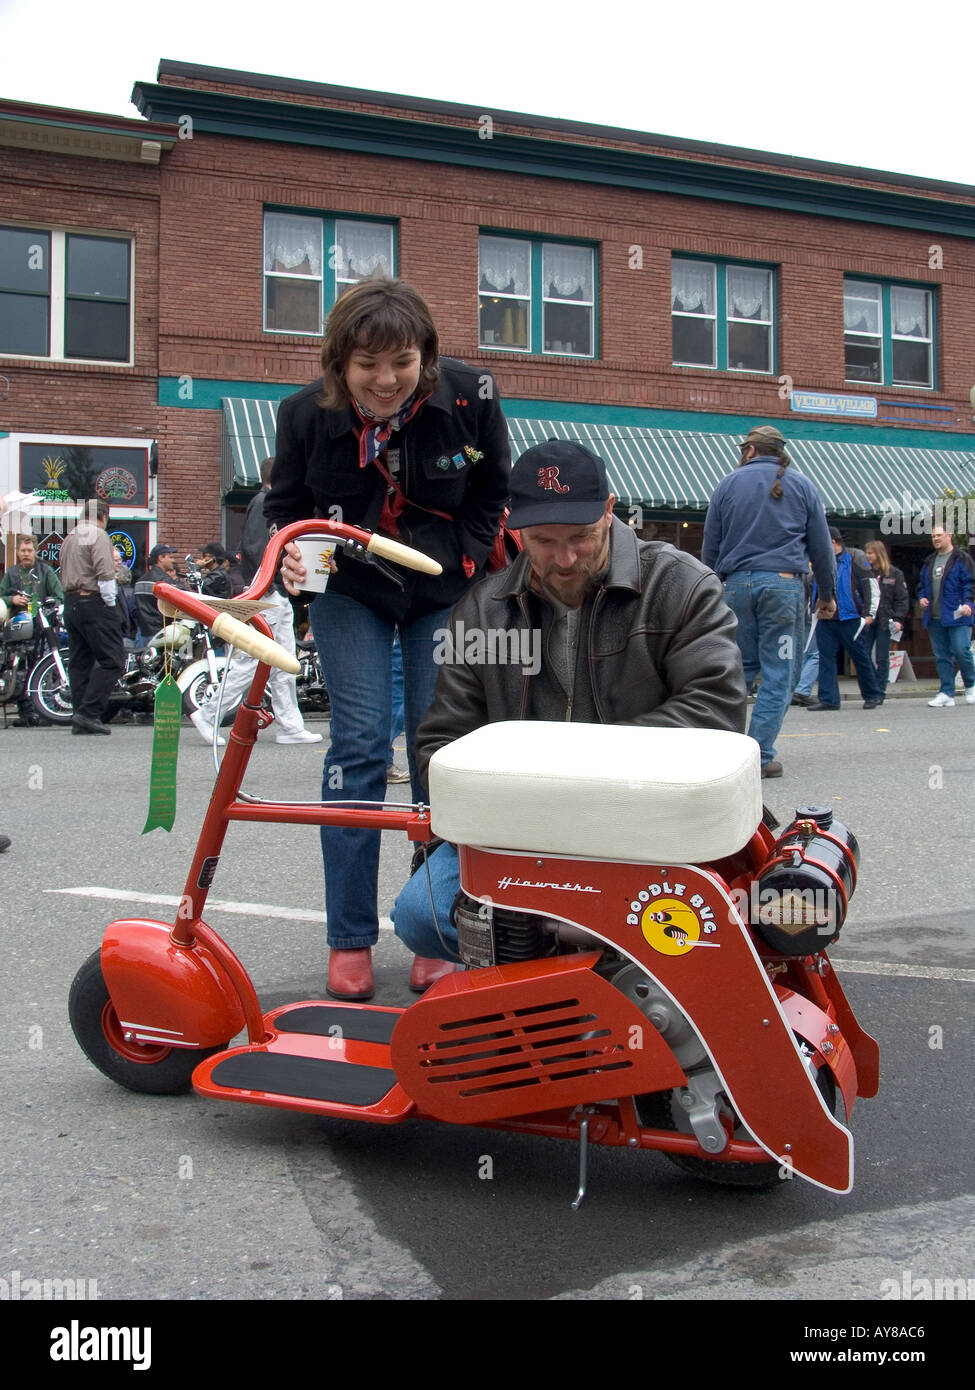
point(29, 639)
point(310, 682)
point(185, 647)
point(646, 960)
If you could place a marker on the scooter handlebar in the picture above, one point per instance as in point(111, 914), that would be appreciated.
point(249, 639)
point(380, 546)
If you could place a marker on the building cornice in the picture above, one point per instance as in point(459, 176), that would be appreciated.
point(574, 160)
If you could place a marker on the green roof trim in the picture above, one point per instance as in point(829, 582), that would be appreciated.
point(403, 138)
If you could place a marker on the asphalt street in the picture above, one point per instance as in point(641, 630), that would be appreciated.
point(184, 1198)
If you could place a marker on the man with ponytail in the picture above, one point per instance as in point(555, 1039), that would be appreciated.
point(765, 524)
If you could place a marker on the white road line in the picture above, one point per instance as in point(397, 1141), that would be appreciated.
point(291, 914)
point(300, 914)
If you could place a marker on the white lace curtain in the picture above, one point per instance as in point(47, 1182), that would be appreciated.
point(292, 244)
point(692, 287)
point(567, 272)
point(364, 248)
point(909, 312)
point(861, 309)
point(749, 294)
point(505, 266)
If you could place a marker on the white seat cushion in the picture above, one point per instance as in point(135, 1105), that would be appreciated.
point(600, 791)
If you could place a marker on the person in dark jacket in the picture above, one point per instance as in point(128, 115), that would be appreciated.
point(589, 624)
point(161, 566)
point(395, 439)
point(29, 581)
point(895, 604)
point(857, 599)
point(222, 577)
point(947, 599)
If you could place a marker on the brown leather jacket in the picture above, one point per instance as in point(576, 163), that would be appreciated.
point(662, 649)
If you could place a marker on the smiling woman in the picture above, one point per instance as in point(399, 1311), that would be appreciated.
point(398, 440)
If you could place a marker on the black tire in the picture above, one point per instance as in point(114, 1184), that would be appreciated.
point(197, 691)
point(163, 1071)
point(659, 1112)
point(50, 696)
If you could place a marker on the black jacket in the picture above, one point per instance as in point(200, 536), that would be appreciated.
point(662, 649)
point(895, 602)
point(454, 458)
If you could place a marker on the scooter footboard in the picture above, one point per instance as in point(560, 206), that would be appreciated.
point(518, 1039)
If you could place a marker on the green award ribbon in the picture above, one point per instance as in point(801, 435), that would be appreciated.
point(168, 712)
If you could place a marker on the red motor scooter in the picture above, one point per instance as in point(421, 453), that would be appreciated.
point(646, 961)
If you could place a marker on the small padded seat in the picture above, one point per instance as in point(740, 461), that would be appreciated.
point(599, 791)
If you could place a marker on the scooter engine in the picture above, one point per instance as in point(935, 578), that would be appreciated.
point(491, 935)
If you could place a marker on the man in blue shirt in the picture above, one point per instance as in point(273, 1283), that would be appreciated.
point(947, 596)
point(765, 523)
point(857, 599)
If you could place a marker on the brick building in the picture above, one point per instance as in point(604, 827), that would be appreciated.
point(651, 296)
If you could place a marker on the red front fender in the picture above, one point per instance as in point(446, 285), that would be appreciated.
point(165, 993)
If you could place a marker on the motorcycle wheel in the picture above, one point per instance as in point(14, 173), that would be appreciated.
point(151, 1068)
point(197, 690)
point(662, 1110)
point(50, 696)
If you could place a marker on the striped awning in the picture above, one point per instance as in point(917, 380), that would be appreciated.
point(679, 469)
point(675, 470)
point(249, 428)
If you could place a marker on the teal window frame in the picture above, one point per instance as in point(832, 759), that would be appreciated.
point(887, 335)
point(721, 319)
point(329, 277)
point(536, 317)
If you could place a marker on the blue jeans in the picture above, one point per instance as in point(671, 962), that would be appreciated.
point(769, 612)
point(832, 634)
point(399, 710)
point(413, 916)
point(950, 645)
point(355, 646)
point(809, 673)
point(876, 640)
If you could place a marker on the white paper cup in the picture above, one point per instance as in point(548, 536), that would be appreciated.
point(315, 556)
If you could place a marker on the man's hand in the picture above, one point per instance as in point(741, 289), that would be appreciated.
point(826, 608)
point(867, 622)
point(19, 600)
point(925, 602)
point(965, 609)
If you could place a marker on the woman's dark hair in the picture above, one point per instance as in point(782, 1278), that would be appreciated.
point(377, 315)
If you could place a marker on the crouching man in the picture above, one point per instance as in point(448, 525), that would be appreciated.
point(589, 624)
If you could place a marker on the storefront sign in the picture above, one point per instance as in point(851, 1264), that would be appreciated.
point(49, 549)
point(826, 403)
point(124, 542)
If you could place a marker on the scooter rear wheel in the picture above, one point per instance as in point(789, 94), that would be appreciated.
point(662, 1111)
point(154, 1069)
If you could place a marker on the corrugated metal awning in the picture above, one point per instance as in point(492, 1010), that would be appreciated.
point(679, 469)
point(249, 428)
point(675, 470)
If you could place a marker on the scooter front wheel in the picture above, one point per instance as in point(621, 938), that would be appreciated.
point(154, 1069)
point(50, 695)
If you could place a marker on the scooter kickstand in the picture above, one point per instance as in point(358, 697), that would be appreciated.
point(583, 1161)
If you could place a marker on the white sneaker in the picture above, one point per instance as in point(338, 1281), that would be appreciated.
point(204, 729)
point(970, 695)
point(942, 701)
point(302, 736)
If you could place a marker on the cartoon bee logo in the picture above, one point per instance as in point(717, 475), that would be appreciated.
point(671, 927)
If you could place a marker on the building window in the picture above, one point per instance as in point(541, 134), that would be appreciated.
point(536, 296)
point(65, 295)
point(309, 261)
point(888, 332)
point(721, 315)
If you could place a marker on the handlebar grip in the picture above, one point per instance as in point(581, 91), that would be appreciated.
point(238, 634)
point(403, 555)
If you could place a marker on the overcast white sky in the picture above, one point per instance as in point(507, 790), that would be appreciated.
point(886, 84)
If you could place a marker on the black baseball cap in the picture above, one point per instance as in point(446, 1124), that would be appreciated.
point(158, 550)
point(558, 483)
